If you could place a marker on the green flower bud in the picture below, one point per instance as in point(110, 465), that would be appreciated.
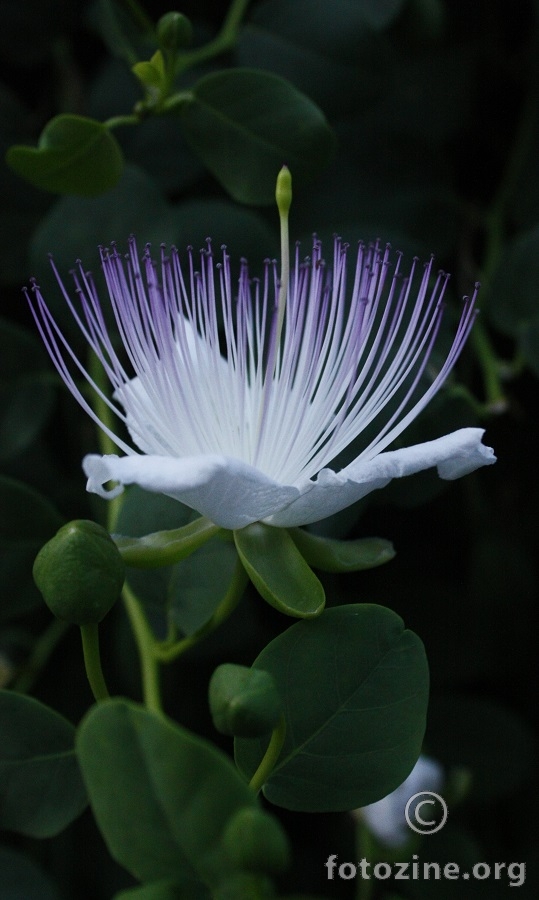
point(255, 840)
point(174, 31)
point(80, 572)
point(243, 702)
point(283, 191)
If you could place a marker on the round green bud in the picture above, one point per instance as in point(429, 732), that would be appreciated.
point(243, 702)
point(80, 572)
point(254, 840)
point(174, 31)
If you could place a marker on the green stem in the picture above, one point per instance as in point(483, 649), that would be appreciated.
point(492, 368)
point(167, 652)
point(92, 660)
point(496, 401)
point(117, 121)
point(364, 847)
point(149, 665)
point(105, 415)
point(225, 40)
point(145, 641)
point(43, 649)
point(139, 16)
point(268, 761)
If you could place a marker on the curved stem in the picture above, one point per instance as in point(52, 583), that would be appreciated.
point(149, 665)
point(167, 652)
point(117, 121)
point(268, 761)
point(496, 401)
point(225, 40)
point(92, 660)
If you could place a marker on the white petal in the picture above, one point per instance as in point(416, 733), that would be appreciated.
point(454, 455)
point(229, 492)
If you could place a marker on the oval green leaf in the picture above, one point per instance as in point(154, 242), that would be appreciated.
point(354, 686)
point(74, 155)
point(331, 555)
point(186, 593)
point(41, 789)
point(25, 398)
point(27, 521)
point(22, 879)
point(244, 124)
point(161, 796)
point(279, 571)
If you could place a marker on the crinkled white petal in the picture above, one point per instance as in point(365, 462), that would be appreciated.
point(229, 492)
point(233, 494)
point(386, 818)
point(454, 455)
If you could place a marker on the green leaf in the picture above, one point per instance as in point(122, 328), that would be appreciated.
point(244, 124)
point(198, 585)
point(488, 739)
point(75, 155)
point(187, 593)
point(354, 686)
point(529, 345)
point(22, 879)
point(278, 570)
point(255, 840)
point(135, 206)
point(243, 231)
point(165, 890)
point(329, 52)
point(514, 299)
point(160, 795)
point(41, 789)
point(25, 399)
point(21, 206)
point(380, 13)
point(330, 555)
point(27, 520)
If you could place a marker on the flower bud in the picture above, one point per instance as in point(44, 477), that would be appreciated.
point(255, 840)
point(174, 31)
point(283, 191)
point(243, 702)
point(80, 572)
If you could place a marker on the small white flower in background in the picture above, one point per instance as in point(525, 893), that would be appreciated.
point(385, 818)
point(310, 362)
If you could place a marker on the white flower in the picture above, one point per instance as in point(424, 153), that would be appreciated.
point(237, 402)
point(386, 818)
